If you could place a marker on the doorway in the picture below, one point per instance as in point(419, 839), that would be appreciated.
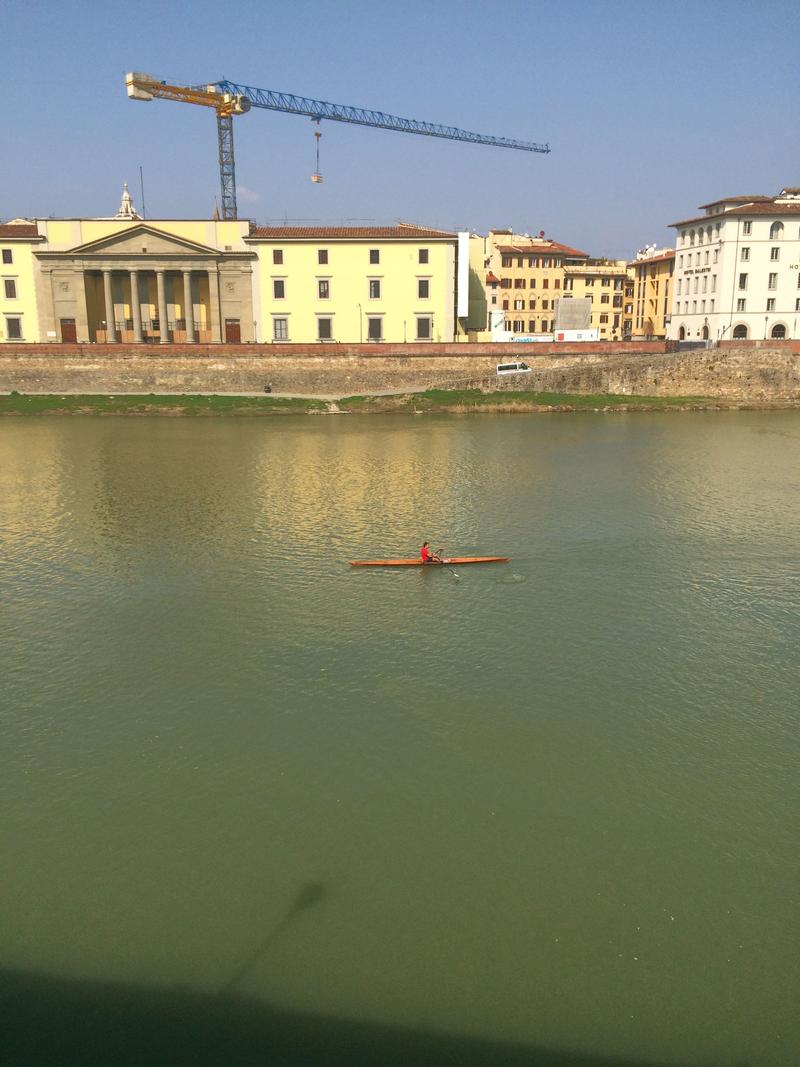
point(233, 332)
point(68, 332)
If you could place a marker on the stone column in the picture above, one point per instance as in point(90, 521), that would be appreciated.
point(136, 309)
point(162, 308)
point(111, 330)
point(214, 310)
point(188, 306)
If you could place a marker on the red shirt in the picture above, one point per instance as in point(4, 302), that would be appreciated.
point(425, 553)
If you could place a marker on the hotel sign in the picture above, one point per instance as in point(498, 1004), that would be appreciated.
point(698, 270)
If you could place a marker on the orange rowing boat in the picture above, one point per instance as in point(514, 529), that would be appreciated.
point(460, 560)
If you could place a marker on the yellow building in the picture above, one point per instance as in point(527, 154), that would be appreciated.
point(522, 276)
point(205, 280)
point(127, 279)
point(393, 283)
point(19, 319)
point(652, 270)
point(609, 287)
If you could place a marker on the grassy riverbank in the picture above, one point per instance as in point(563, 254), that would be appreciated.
point(433, 401)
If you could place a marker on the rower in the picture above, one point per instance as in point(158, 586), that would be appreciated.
point(427, 556)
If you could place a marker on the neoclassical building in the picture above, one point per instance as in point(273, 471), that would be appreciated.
point(737, 270)
point(126, 279)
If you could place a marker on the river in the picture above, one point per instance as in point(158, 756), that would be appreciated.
point(552, 803)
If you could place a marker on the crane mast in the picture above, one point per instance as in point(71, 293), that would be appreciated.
point(229, 99)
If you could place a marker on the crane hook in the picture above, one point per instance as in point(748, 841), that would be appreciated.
point(316, 176)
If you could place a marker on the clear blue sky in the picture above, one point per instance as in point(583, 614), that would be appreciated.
point(651, 108)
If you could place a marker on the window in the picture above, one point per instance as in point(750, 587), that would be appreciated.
point(545, 283)
point(519, 283)
point(8, 255)
point(545, 305)
point(680, 262)
point(505, 283)
point(10, 287)
point(797, 304)
point(604, 299)
point(774, 253)
point(773, 281)
point(280, 329)
point(771, 303)
point(533, 283)
point(531, 325)
point(323, 288)
point(590, 281)
point(423, 255)
point(678, 291)
point(557, 283)
point(747, 227)
point(423, 327)
point(696, 283)
point(423, 288)
point(519, 305)
point(506, 261)
point(740, 304)
point(713, 283)
point(13, 328)
point(519, 326)
point(374, 288)
point(711, 309)
point(519, 261)
point(716, 255)
point(705, 282)
point(324, 329)
point(505, 305)
point(776, 231)
point(374, 255)
point(617, 302)
point(694, 307)
point(745, 253)
point(604, 318)
point(742, 281)
point(278, 288)
point(705, 257)
point(531, 305)
point(374, 329)
point(277, 256)
point(322, 255)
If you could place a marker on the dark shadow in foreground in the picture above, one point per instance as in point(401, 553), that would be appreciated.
point(61, 1022)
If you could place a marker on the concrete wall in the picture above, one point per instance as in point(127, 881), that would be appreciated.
point(758, 372)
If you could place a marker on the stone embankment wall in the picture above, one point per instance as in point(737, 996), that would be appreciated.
point(736, 370)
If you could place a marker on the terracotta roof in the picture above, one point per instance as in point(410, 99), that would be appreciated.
point(735, 200)
point(492, 278)
point(334, 233)
point(542, 249)
point(768, 207)
point(652, 259)
point(19, 230)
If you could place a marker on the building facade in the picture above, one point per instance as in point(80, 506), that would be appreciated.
point(652, 272)
point(737, 270)
point(126, 279)
point(607, 284)
point(327, 284)
point(520, 275)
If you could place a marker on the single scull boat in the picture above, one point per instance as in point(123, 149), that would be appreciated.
point(460, 560)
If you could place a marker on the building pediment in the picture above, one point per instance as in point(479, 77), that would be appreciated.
point(137, 241)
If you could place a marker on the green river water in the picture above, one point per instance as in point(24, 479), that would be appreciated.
point(547, 810)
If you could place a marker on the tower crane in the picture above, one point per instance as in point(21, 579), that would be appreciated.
point(229, 99)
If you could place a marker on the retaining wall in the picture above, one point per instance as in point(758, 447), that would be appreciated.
point(759, 371)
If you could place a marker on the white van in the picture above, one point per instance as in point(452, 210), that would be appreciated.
point(513, 368)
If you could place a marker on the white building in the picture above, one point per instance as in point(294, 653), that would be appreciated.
point(737, 270)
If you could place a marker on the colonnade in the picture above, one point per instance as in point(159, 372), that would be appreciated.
point(161, 290)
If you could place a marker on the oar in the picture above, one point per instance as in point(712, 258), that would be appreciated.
point(446, 564)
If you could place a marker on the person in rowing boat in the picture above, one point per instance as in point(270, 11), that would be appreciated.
point(427, 556)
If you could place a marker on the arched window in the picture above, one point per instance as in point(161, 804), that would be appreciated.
point(682, 333)
point(708, 232)
point(776, 231)
point(778, 331)
point(691, 237)
point(705, 333)
point(740, 332)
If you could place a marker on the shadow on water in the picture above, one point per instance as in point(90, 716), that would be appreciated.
point(47, 1021)
point(309, 895)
